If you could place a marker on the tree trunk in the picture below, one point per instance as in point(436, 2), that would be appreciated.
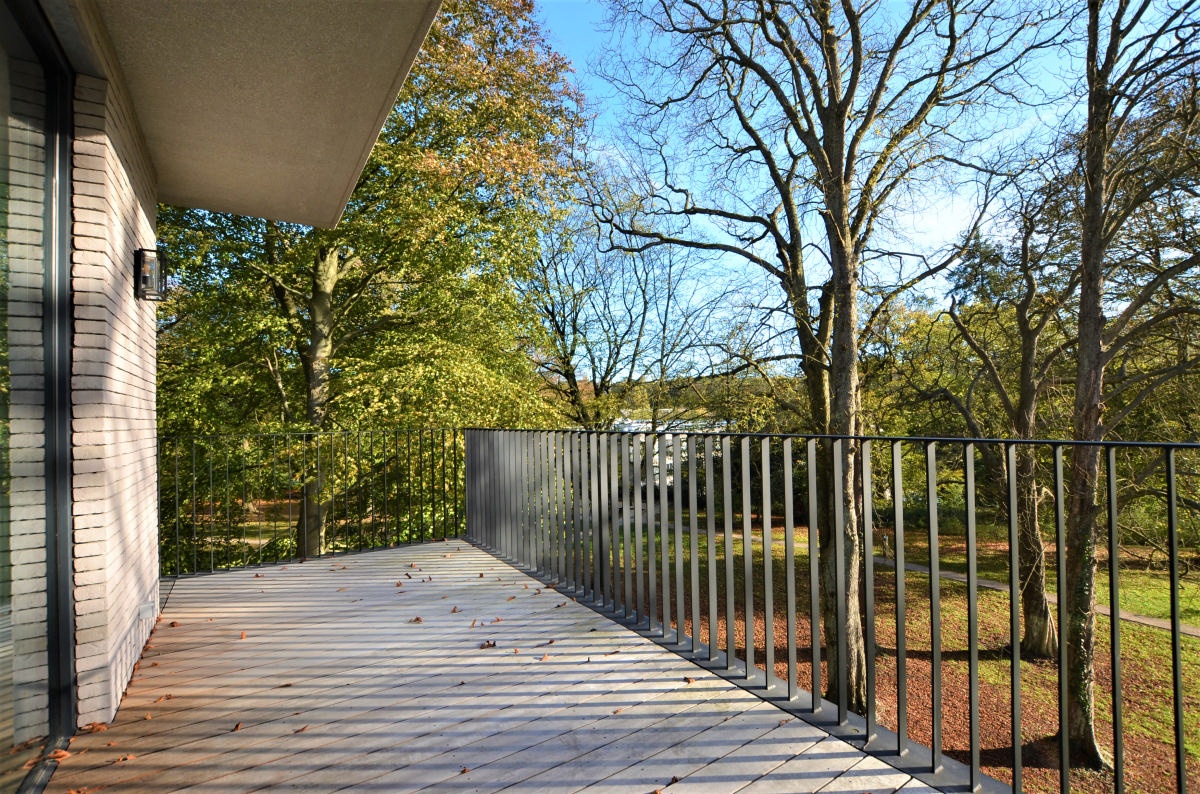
point(1040, 640)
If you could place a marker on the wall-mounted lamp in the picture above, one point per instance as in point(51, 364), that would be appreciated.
point(149, 277)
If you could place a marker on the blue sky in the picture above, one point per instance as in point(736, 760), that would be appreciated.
point(573, 28)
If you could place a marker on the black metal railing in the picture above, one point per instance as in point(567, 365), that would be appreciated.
point(237, 501)
point(714, 544)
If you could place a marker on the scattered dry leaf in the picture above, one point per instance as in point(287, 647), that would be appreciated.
point(563, 604)
point(474, 621)
point(618, 711)
point(259, 575)
point(417, 619)
point(243, 635)
point(174, 624)
point(58, 755)
point(464, 770)
point(510, 598)
point(455, 611)
point(785, 721)
point(689, 680)
point(342, 589)
point(498, 620)
point(488, 644)
point(516, 650)
point(344, 567)
point(110, 744)
point(167, 696)
point(126, 757)
point(154, 664)
point(148, 716)
point(526, 586)
point(94, 727)
point(237, 727)
point(481, 576)
point(545, 657)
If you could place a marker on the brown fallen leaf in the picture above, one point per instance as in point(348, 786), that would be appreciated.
point(301, 729)
point(148, 716)
point(559, 606)
point(510, 598)
point(674, 780)
point(399, 584)
point(126, 757)
point(618, 711)
point(464, 770)
point(538, 591)
point(689, 680)
point(284, 686)
point(455, 611)
point(237, 727)
point(58, 755)
point(283, 568)
point(417, 619)
point(446, 556)
point(527, 586)
point(498, 620)
point(167, 696)
point(344, 567)
point(94, 727)
point(487, 644)
point(785, 721)
point(412, 565)
point(174, 624)
point(545, 657)
point(474, 621)
point(243, 635)
point(516, 650)
point(481, 576)
point(407, 574)
point(110, 744)
point(154, 664)
point(342, 589)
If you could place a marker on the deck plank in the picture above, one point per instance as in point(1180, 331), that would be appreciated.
point(366, 673)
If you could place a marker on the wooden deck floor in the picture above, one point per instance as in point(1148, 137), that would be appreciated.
point(367, 674)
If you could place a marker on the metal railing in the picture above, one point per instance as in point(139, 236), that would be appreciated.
point(704, 541)
point(237, 501)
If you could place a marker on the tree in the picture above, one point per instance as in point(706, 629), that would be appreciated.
point(1019, 293)
point(776, 112)
point(1142, 101)
point(443, 220)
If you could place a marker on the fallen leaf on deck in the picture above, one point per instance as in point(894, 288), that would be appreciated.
point(474, 621)
point(689, 680)
point(167, 696)
point(498, 620)
point(416, 620)
point(455, 611)
point(510, 598)
point(545, 657)
point(464, 770)
point(284, 686)
point(243, 635)
point(342, 589)
point(481, 576)
point(618, 711)
point(538, 591)
point(563, 604)
point(94, 727)
point(516, 650)
point(344, 567)
point(487, 644)
point(237, 727)
point(399, 584)
point(154, 664)
point(526, 586)
point(785, 721)
point(412, 565)
point(110, 744)
point(58, 755)
point(174, 624)
point(127, 757)
point(148, 716)
point(408, 575)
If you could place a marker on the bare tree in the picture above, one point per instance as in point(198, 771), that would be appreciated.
point(1141, 92)
point(788, 122)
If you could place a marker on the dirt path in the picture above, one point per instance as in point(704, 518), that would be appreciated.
point(1133, 617)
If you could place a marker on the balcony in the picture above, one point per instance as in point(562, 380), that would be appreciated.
point(573, 614)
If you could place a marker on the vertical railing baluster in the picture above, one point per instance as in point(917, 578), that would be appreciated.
point(1114, 623)
point(677, 492)
point(768, 543)
point(1060, 539)
point(789, 564)
point(629, 501)
point(664, 531)
point(730, 586)
point(641, 487)
point(1014, 613)
point(693, 541)
point(710, 523)
point(653, 453)
point(972, 613)
point(868, 508)
point(1176, 634)
point(841, 584)
point(935, 607)
point(747, 558)
point(814, 578)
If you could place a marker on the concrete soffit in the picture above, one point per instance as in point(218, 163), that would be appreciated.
point(259, 107)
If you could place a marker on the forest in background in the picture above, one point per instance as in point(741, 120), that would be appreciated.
point(946, 217)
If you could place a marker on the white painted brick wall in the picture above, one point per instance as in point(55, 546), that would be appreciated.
point(26, 164)
point(113, 414)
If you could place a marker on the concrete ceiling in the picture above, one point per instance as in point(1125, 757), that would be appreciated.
point(263, 107)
